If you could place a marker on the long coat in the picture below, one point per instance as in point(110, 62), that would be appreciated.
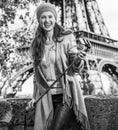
point(66, 51)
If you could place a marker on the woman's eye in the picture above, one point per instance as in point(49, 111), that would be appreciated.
point(50, 16)
point(43, 17)
point(47, 17)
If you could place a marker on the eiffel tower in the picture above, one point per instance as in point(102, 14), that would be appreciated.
point(85, 19)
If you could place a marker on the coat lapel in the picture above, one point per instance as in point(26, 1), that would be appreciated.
point(40, 77)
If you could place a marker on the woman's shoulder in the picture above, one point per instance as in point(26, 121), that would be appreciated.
point(68, 34)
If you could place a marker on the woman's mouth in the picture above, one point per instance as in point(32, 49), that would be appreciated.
point(47, 25)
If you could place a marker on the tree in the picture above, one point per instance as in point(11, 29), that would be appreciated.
point(17, 23)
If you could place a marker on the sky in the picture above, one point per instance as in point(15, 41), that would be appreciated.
point(109, 11)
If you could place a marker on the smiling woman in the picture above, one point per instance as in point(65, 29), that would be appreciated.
point(45, 18)
point(54, 50)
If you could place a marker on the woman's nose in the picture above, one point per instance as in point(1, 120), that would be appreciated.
point(47, 19)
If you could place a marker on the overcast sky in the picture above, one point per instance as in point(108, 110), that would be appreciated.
point(109, 10)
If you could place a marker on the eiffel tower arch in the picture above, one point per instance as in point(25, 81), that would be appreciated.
point(86, 21)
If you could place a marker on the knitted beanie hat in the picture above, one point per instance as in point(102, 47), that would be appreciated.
point(46, 7)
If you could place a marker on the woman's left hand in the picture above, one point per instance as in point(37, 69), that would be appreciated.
point(81, 55)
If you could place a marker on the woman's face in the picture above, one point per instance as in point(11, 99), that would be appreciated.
point(47, 21)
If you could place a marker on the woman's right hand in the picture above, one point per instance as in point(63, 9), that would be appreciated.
point(30, 104)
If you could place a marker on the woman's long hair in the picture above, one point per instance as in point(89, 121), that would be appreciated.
point(37, 46)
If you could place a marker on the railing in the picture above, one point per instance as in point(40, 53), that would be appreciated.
point(97, 37)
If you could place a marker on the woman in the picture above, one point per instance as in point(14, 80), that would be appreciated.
point(53, 50)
